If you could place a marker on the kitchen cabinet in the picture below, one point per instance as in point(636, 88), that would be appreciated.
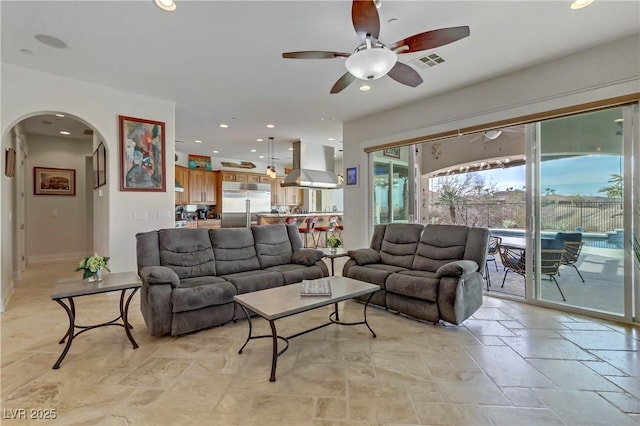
point(254, 178)
point(210, 223)
point(234, 177)
point(290, 196)
point(202, 187)
point(182, 177)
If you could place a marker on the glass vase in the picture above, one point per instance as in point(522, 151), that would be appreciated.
point(96, 277)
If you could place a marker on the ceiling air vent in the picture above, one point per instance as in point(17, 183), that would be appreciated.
point(88, 132)
point(428, 61)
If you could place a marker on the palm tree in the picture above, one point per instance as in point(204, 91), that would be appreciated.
point(450, 196)
point(616, 189)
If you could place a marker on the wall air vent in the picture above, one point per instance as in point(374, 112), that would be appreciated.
point(428, 61)
point(88, 132)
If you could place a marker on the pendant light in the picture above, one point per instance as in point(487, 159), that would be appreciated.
point(271, 170)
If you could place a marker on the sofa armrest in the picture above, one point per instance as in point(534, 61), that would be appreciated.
point(306, 256)
point(153, 275)
point(456, 268)
point(364, 256)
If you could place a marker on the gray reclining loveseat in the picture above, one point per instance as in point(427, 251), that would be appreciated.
point(431, 272)
point(189, 276)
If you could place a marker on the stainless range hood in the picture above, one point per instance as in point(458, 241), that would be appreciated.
point(312, 167)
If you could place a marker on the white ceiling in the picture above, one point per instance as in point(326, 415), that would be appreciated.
point(220, 61)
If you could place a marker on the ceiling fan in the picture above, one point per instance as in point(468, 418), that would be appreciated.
point(373, 59)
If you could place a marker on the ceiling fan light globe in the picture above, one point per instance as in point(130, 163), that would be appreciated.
point(492, 134)
point(371, 64)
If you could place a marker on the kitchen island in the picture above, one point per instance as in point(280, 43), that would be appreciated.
point(323, 222)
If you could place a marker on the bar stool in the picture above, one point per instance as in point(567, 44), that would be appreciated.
point(310, 223)
point(291, 220)
point(330, 227)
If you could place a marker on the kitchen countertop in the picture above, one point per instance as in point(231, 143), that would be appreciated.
point(301, 214)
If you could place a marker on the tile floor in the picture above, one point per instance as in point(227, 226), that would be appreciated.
point(511, 364)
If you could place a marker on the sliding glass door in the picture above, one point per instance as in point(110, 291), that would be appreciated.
point(581, 193)
point(392, 186)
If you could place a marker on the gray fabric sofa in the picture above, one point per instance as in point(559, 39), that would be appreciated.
point(431, 272)
point(189, 276)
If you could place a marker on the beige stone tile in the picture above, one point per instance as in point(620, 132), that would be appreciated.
point(597, 339)
point(542, 347)
point(440, 413)
point(491, 341)
point(522, 397)
point(378, 401)
point(487, 328)
point(581, 408)
point(467, 386)
point(509, 416)
point(156, 372)
point(566, 374)
point(629, 384)
point(331, 408)
point(627, 403)
point(276, 410)
point(491, 313)
point(424, 392)
point(603, 368)
point(400, 367)
point(626, 361)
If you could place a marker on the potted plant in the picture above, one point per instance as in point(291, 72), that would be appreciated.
point(334, 242)
point(92, 267)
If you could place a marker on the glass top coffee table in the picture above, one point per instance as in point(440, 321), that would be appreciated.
point(280, 302)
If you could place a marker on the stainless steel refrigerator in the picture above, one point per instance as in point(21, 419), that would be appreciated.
point(242, 202)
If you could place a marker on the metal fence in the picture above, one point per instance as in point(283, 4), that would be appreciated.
point(591, 216)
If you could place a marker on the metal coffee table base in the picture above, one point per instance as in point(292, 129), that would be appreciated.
point(333, 319)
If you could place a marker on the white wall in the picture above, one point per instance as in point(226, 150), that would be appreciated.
point(601, 72)
point(26, 93)
point(57, 226)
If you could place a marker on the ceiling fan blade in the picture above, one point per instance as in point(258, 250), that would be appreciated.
point(315, 54)
point(364, 15)
point(342, 83)
point(404, 74)
point(431, 39)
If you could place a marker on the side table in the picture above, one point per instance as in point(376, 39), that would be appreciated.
point(333, 254)
point(72, 288)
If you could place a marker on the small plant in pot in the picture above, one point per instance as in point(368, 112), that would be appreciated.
point(334, 242)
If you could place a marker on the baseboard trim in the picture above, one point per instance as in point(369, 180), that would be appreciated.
point(5, 302)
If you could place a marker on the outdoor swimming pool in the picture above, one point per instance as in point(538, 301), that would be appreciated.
point(609, 240)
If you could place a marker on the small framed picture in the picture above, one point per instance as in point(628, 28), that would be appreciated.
point(392, 152)
point(51, 181)
point(352, 176)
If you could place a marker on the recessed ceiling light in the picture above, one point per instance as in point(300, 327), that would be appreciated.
point(224, 126)
point(261, 156)
point(167, 5)
point(51, 41)
point(26, 51)
point(290, 149)
point(215, 151)
point(618, 120)
point(253, 150)
point(64, 132)
point(259, 140)
point(331, 139)
point(579, 4)
point(327, 118)
point(365, 88)
point(60, 115)
point(270, 126)
point(198, 141)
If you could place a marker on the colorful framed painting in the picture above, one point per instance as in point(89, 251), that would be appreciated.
point(199, 162)
point(352, 176)
point(52, 181)
point(142, 165)
point(392, 152)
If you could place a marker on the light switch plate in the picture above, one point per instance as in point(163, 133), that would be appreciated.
point(140, 215)
point(164, 214)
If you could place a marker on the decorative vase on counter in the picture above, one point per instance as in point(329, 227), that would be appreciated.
point(95, 278)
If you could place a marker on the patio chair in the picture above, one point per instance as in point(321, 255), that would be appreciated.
point(572, 247)
point(551, 254)
point(513, 260)
point(492, 251)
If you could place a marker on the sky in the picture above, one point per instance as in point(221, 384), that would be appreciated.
point(583, 175)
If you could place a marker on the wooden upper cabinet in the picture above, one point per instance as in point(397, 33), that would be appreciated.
point(280, 196)
point(182, 177)
point(255, 178)
point(234, 177)
point(202, 187)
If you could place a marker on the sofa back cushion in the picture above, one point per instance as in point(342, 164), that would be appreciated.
point(273, 246)
point(440, 244)
point(186, 251)
point(234, 250)
point(147, 250)
point(399, 244)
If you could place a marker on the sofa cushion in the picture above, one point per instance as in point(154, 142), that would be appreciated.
point(250, 281)
point(364, 256)
point(399, 244)
point(272, 245)
point(293, 273)
point(376, 273)
point(234, 250)
point(306, 257)
point(457, 268)
point(200, 292)
point(186, 251)
point(418, 284)
point(439, 245)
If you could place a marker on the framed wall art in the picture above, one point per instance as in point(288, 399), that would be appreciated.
point(199, 162)
point(52, 181)
point(352, 176)
point(102, 164)
point(9, 162)
point(392, 152)
point(142, 165)
point(94, 157)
